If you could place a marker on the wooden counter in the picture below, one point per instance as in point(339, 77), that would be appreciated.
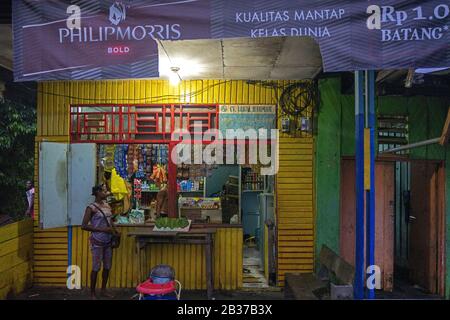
point(193, 225)
point(188, 260)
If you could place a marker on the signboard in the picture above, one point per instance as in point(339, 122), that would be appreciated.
point(246, 117)
point(99, 39)
point(106, 39)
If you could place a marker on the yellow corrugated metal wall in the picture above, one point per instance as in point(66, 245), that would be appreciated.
point(294, 202)
point(16, 258)
point(295, 213)
point(296, 234)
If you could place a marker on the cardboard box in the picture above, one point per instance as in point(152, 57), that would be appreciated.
point(215, 216)
point(341, 292)
point(192, 214)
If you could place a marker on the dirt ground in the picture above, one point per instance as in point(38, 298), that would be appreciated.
point(401, 291)
point(47, 293)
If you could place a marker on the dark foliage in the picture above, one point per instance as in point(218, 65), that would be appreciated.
point(17, 132)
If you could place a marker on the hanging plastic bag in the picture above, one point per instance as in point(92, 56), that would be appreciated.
point(118, 186)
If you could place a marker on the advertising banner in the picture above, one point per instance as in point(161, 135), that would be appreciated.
point(108, 39)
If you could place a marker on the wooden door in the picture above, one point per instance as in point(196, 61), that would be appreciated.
point(384, 217)
point(426, 249)
point(441, 230)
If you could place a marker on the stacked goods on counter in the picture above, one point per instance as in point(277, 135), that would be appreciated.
point(136, 216)
point(201, 209)
point(200, 203)
point(191, 178)
point(190, 185)
point(149, 186)
point(142, 166)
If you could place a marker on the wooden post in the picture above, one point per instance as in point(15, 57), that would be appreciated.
point(138, 251)
point(446, 131)
point(172, 183)
point(209, 269)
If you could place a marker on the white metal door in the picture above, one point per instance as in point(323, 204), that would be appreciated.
point(81, 177)
point(53, 184)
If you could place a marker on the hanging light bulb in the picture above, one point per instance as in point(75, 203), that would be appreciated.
point(174, 77)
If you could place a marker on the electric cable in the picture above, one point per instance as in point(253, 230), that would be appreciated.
point(151, 98)
point(295, 98)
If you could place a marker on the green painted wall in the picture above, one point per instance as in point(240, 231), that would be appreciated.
point(328, 151)
point(335, 139)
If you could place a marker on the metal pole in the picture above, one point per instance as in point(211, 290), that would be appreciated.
point(359, 157)
point(69, 251)
point(370, 194)
point(172, 183)
point(413, 145)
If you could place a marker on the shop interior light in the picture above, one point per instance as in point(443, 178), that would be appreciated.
point(174, 77)
point(188, 69)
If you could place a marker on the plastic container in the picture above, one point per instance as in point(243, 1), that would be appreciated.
point(160, 280)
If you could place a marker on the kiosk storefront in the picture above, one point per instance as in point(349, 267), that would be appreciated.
point(133, 139)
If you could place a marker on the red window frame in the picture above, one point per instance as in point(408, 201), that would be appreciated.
point(124, 124)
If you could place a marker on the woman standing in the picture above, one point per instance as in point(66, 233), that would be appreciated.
point(30, 199)
point(97, 220)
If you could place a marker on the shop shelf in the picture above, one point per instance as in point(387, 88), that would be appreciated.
point(199, 208)
point(198, 191)
point(233, 179)
point(233, 184)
